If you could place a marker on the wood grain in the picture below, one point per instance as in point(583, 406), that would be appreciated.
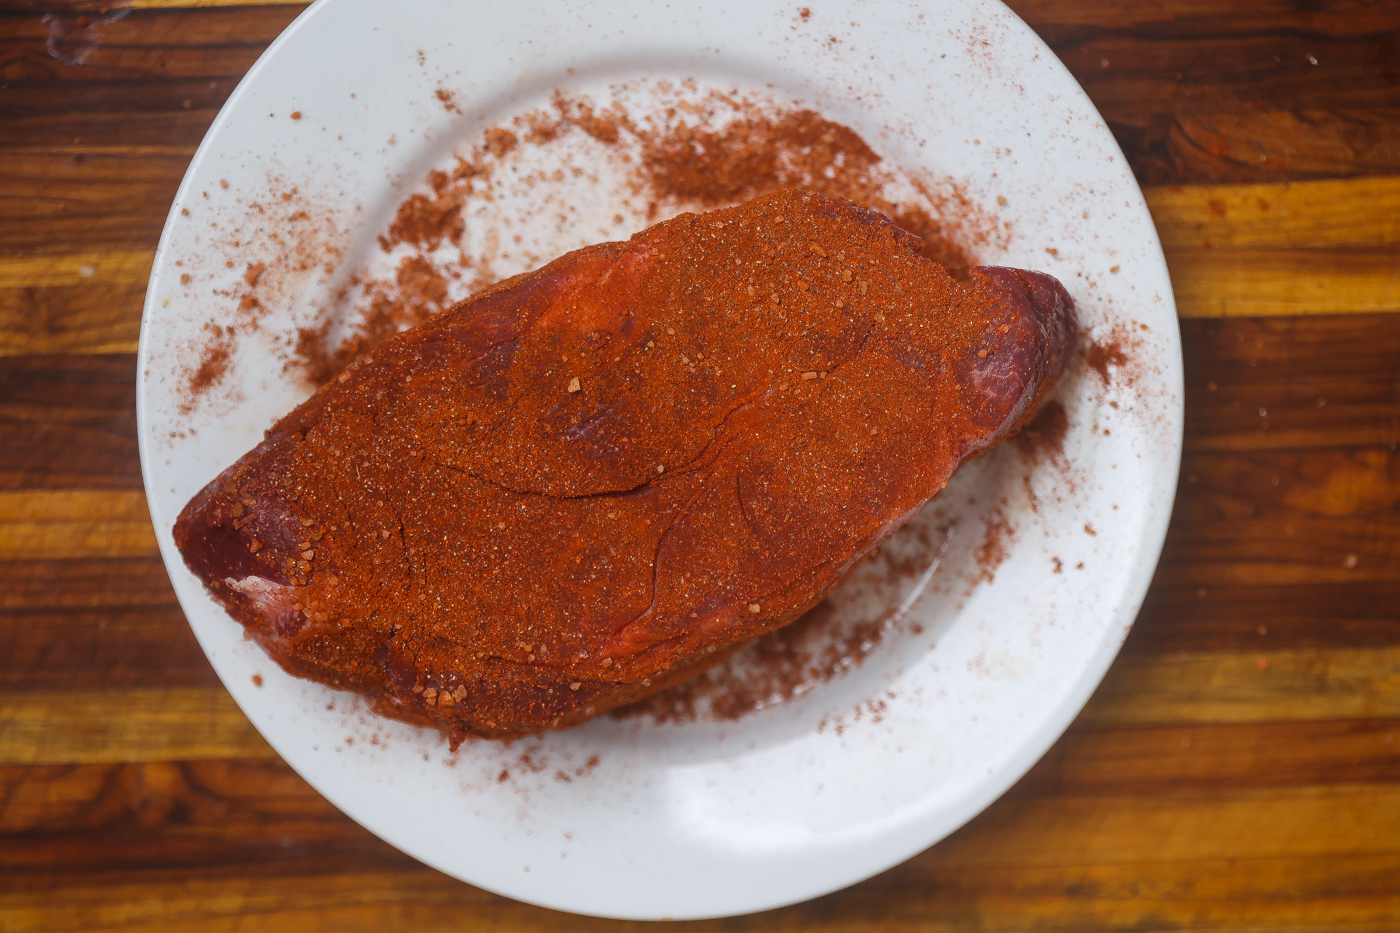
point(1237, 687)
point(1292, 383)
point(1294, 145)
point(83, 269)
point(1184, 616)
point(1323, 247)
point(134, 725)
point(1187, 18)
point(84, 205)
point(1236, 92)
point(148, 81)
point(74, 523)
point(113, 648)
point(979, 879)
point(70, 584)
point(206, 814)
point(1213, 757)
point(96, 318)
point(68, 422)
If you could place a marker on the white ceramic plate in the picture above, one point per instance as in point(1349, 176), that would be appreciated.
point(1013, 593)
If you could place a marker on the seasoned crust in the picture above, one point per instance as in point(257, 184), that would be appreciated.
point(596, 479)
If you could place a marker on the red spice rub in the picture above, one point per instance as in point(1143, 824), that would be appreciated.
point(595, 480)
point(762, 152)
point(722, 150)
point(782, 664)
point(1099, 356)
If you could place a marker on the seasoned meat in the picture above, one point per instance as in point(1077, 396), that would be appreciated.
point(593, 480)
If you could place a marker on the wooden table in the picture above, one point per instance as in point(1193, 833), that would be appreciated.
point(1238, 770)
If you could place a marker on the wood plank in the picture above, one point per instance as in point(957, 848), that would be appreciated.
point(1319, 383)
point(1321, 247)
point(193, 900)
point(1108, 863)
point(101, 650)
point(1199, 93)
point(91, 205)
point(97, 318)
point(1224, 69)
point(132, 817)
point(149, 60)
point(1283, 281)
point(1191, 148)
point(1235, 92)
point(128, 725)
point(1347, 483)
point(78, 7)
point(86, 301)
point(1226, 687)
point(156, 79)
point(68, 421)
point(252, 803)
point(1282, 894)
point(51, 524)
point(1344, 435)
point(242, 799)
point(78, 268)
point(1289, 553)
point(1212, 757)
point(56, 586)
point(69, 131)
point(1181, 615)
point(212, 25)
point(1314, 215)
point(1189, 18)
point(1323, 822)
point(1316, 523)
point(93, 114)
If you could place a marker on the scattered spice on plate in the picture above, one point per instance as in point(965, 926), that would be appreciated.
point(529, 190)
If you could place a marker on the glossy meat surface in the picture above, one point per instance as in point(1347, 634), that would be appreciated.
point(592, 480)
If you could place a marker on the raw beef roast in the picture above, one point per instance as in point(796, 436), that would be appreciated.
point(593, 480)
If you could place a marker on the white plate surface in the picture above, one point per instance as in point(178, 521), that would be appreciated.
point(1016, 588)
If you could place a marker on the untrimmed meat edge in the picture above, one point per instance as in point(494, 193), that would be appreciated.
point(594, 480)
